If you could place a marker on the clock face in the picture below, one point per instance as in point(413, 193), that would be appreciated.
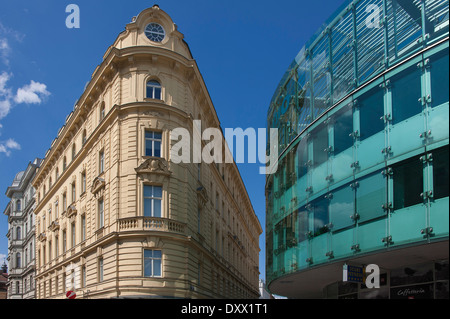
point(155, 32)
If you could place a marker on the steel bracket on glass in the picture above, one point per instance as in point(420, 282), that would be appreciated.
point(427, 158)
point(329, 178)
point(386, 150)
point(387, 172)
point(425, 134)
point(309, 260)
point(355, 248)
point(426, 195)
point(386, 118)
point(330, 254)
point(427, 232)
point(385, 85)
point(354, 165)
point(354, 185)
point(387, 240)
point(354, 134)
point(355, 217)
point(387, 206)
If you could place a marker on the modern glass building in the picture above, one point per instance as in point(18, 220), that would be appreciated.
point(363, 123)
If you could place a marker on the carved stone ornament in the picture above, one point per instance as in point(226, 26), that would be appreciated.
point(97, 185)
point(153, 165)
point(202, 195)
point(54, 226)
point(71, 211)
point(42, 237)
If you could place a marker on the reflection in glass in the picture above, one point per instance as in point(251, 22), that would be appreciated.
point(321, 218)
point(370, 195)
point(320, 144)
point(342, 206)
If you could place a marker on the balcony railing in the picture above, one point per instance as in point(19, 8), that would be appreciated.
point(141, 223)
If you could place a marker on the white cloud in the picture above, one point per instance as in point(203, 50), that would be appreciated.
point(5, 95)
point(32, 93)
point(4, 51)
point(6, 147)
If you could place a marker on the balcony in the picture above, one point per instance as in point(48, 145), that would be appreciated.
point(141, 223)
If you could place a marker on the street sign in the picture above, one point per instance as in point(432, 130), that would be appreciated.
point(71, 294)
point(353, 274)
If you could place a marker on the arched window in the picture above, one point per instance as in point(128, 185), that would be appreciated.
point(57, 173)
point(74, 151)
point(153, 90)
point(64, 163)
point(18, 205)
point(18, 233)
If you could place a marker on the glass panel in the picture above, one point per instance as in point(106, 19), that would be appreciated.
point(319, 169)
point(406, 91)
point(157, 191)
point(371, 194)
point(440, 172)
point(147, 207)
point(407, 116)
point(370, 38)
point(157, 267)
point(369, 235)
point(438, 116)
point(413, 292)
point(371, 111)
point(321, 218)
point(343, 127)
point(342, 205)
point(404, 28)
point(322, 77)
point(303, 224)
point(437, 18)
point(439, 78)
point(156, 208)
point(304, 94)
point(408, 183)
point(343, 70)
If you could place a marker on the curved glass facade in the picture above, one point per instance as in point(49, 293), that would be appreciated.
point(363, 121)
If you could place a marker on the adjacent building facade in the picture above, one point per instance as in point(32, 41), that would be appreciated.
point(363, 119)
point(115, 217)
point(21, 234)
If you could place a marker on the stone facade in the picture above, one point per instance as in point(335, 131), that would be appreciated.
point(115, 217)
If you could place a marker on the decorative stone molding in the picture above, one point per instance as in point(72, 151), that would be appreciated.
point(71, 211)
point(202, 195)
point(42, 237)
point(153, 165)
point(97, 185)
point(54, 226)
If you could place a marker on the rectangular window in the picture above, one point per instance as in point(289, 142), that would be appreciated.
point(152, 201)
point(440, 172)
point(64, 202)
point(101, 161)
point(100, 270)
point(153, 142)
point(408, 183)
point(64, 241)
point(56, 210)
point(101, 216)
point(152, 263)
point(83, 228)
point(73, 234)
point(74, 192)
point(56, 246)
point(83, 276)
point(83, 182)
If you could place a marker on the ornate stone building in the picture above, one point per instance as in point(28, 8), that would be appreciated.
point(21, 234)
point(115, 217)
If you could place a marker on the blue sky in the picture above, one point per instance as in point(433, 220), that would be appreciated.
point(242, 49)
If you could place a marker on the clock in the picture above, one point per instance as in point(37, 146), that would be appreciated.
point(155, 32)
